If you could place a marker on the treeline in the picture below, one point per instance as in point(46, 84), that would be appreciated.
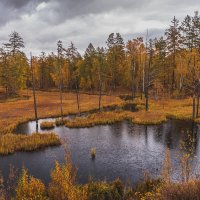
point(166, 65)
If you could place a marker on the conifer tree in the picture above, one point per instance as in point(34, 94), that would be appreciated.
point(173, 44)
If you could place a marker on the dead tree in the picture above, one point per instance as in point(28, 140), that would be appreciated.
point(34, 95)
point(59, 44)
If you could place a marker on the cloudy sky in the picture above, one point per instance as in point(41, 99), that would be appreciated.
point(43, 22)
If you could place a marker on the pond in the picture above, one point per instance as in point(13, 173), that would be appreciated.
point(123, 150)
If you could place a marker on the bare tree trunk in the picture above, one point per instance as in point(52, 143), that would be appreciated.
point(61, 100)
point(197, 110)
point(100, 93)
point(147, 100)
point(193, 110)
point(60, 77)
point(61, 88)
point(143, 79)
point(133, 80)
point(34, 96)
point(140, 87)
point(77, 97)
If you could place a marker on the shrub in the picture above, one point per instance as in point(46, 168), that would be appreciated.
point(30, 188)
point(181, 191)
point(63, 186)
point(126, 97)
point(105, 191)
point(130, 106)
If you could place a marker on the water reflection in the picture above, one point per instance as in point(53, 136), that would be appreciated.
point(123, 150)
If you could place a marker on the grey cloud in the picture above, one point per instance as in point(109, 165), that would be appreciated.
point(14, 9)
point(17, 4)
point(83, 21)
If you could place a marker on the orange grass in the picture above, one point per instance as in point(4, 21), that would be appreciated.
point(158, 113)
point(11, 143)
point(15, 112)
point(47, 125)
point(96, 119)
point(12, 113)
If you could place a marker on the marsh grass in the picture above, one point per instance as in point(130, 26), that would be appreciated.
point(11, 112)
point(104, 118)
point(148, 118)
point(60, 122)
point(14, 113)
point(47, 125)
point(93, 153)
point(96, 119)
point(11, 143)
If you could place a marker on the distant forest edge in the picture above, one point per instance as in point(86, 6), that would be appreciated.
point(169, 65)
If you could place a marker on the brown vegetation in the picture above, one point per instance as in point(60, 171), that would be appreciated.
point(13, 113)
point(10, 143)
point(47, 125)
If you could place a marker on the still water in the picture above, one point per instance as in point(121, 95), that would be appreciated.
point(123, 150)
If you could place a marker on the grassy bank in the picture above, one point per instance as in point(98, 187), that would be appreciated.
point(158, 113)
point(103, 118)
point(47, 125)
point(10, 143)
point(14, 113)
point(96, 119)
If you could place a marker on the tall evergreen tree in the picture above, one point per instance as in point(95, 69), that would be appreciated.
point(15, 65)
point(173, 44)
point(115, 58)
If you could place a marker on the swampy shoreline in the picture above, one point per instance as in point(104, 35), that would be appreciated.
point(114, 109)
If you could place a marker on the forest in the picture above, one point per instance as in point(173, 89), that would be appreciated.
point(160, 67)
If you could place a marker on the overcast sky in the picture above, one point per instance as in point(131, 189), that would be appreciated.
point(42, 23)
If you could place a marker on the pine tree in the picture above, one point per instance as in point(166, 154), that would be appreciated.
point(115, 58)
point(173, 44)
point(15, 65)
point(87, 71)
point(161, 53)
point(73, 57)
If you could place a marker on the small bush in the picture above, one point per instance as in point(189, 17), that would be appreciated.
point(63, 185)
point(130, 106)
point(126, 97)
point(181, 191)
point(105, 191)
point(30, 188)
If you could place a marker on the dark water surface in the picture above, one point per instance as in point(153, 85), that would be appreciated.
point(124, 150)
